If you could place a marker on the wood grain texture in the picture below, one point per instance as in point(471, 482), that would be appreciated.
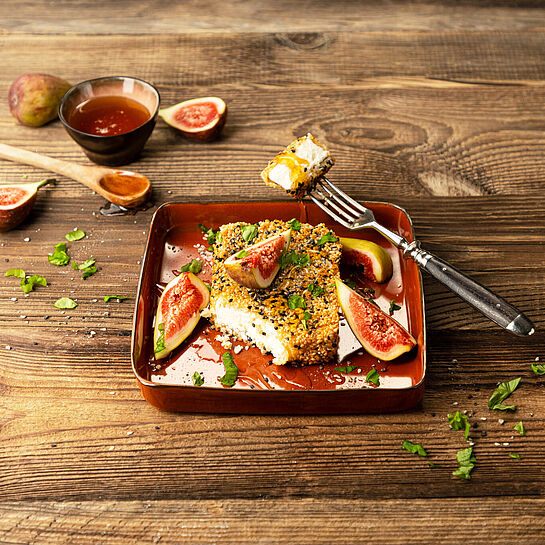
point(436, 106)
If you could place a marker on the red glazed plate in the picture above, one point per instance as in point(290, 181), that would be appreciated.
point(175, 238)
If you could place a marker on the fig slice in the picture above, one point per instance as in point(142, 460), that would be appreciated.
point(375, 260)
point(178, 312)
point(378, 333)
point(16, 202)
point(198, 118)
point(257, 266)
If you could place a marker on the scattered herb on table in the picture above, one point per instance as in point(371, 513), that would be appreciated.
point(433, 464)
point(249, 232)
point(329, 237)
point(27, 284)
point(347, 369)
point(89, 271)
point(393, 307)
point(65, 303)
point(293, 258)
point(373, 376)
point(82, 266)
point(296, 301)
point(59, 257)
point(72, 236)
point(19, 273)
point(519, 426)
point(160, 342)
point(514, 455)
point(466, 462)
point(503, 391)
point(295, 224)
point(119, 298)
point(194, 266)
point(315, 290)
point(538, 369)
point(197, 379)
point(413, 448)
point(231, 370)
point(458, 421)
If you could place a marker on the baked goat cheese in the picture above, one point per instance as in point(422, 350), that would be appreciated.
point(296, 318)
point(297, 168)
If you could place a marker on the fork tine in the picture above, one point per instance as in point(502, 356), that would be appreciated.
point(330, 212)
point(344, 196)
point(330, 202)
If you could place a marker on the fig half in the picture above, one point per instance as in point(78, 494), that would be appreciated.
point(378, 333)
point(16, 202)
point(199, 118)
point(375, 260)
point(178, 312)
point(257, 266)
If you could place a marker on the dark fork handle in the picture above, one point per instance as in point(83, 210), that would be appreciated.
point(487, 302)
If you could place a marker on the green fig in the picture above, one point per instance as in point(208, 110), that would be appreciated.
point(34, 98)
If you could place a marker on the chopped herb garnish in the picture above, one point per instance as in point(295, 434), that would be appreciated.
point(19, 273)
point(459, 421)
point(241, 254)
point(86, 264)
point(514, 455)
point(414, 448)
point(295, 224)
point(466, 464)
point(330, 237)
point(211, 235)
point(537, 368)
point(249, 232)
point(373, 376)
point(34, 280)
point(65, 302)
point(347, 369)
point(74, 235)
point(89, 271)
point(194, 266)
point(59, 256)
point(207, 284)
point(119, 298)
point(293, 258)
point(519, 426)
point(160, 342)
point(503, 391)
point(306, 317)
point(231, 370)
point(393, 307)
point(296, 301)
point(315, 290)
point(197, 379)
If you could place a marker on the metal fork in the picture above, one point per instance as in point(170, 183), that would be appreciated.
point(354, 216)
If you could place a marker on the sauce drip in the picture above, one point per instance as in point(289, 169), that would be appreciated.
point(108, 115)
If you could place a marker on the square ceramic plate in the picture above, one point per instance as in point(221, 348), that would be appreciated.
point(175, 238)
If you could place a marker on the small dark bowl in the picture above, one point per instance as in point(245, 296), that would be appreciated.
point(123, 148)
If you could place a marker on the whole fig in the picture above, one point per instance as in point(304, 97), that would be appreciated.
point(34, 98)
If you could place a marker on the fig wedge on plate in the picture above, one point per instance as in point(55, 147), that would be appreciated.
point(198, 118)
point(375, 260)
point(378, 333)
point(16, 202)
point(178, 312)
point(257, 266)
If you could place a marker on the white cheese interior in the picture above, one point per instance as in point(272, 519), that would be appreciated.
point(280, 174)
point(250, 327)
point(308, 150)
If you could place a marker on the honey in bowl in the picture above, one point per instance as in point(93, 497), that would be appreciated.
point(108, 115)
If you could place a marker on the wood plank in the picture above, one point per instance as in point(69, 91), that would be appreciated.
point(303, 521)
point(155, 17)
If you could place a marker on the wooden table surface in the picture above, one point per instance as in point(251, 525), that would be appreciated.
point(435, 106)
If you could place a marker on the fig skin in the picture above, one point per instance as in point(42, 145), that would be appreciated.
point(34, 98)
point(246, 273)
point(14, 214)
point(207, 133)
point(387, 339)
point(375, 260)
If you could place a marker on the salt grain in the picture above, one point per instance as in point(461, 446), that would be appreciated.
point(501, 421)
point(483, 418)
point(8, 347)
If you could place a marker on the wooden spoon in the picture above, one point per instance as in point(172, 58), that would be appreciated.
point(121, 187)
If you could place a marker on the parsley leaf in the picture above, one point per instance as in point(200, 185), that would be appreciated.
point(89, 271)
point(306, 317)
point(19, 273)
point(86, 264)
point(537, 368)
point(373, 376)
point(315, 290)
point(414, 448)
point(241, 254)
point(194, 266)
point(295, 224)
point(249, 232)
point(296, 301)
point(74, 235)
point(197, 379)
point(119, 298)
point(347, 369)
point(503, 391)
point(231, 370)
point(160, 342)
point(514, 455)
point(34, 280)
point(329, 237)
point(65, 302)
point(465, 459)
point(293, 258)
point(458, 421)
point(393, 307)
point(59, 257)
point(520, 428)
point(211, 236)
